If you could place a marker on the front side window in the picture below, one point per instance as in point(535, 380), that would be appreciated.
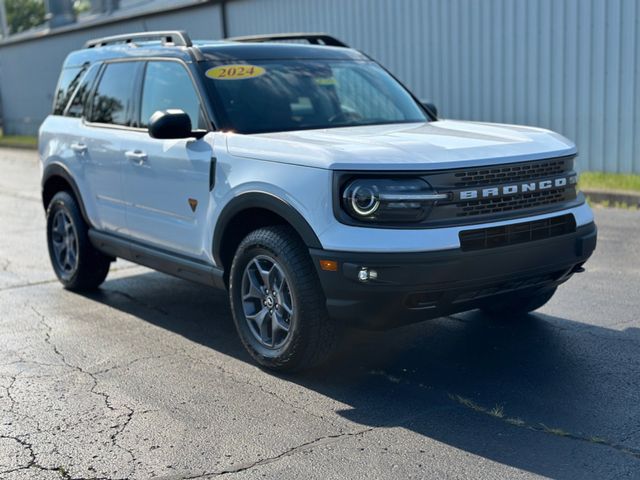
point(113, 96)
point(168, 85)
point(282, 95)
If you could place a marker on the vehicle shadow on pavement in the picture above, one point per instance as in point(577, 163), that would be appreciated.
point(543, 394)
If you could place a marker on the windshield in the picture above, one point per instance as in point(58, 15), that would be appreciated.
point(283, 95)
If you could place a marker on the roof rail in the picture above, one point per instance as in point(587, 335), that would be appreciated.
point(312, 38)
point(169, 37)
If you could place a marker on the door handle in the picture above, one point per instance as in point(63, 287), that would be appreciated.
point(78, 147)
point(136, 156)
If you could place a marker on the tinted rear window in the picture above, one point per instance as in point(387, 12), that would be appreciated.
point(80, 102)
point(114, 94)
point(69, 80)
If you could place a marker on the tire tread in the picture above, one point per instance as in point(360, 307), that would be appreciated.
point(93, 266)
point(319, 333)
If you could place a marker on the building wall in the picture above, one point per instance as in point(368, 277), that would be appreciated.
point(29, 69)
point(569, 65)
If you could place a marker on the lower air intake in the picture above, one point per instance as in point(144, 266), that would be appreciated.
point(494, 237)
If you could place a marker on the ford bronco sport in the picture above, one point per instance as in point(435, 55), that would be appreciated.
point(307, 181)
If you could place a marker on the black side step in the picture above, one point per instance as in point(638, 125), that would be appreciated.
point(161, 260)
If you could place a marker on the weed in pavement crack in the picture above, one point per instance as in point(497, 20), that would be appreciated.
point(498, 412)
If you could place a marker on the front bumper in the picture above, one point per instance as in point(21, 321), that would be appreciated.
point(411, 287)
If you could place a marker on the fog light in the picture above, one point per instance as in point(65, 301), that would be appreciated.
point(365, 274)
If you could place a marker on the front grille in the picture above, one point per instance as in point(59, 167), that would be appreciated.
point(483, 194)
point(510, 173)
point(502, 179)
point(507, 204)
point(493, 237)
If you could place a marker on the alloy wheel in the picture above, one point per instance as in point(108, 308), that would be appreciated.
point(64, 241)
point(267, 301)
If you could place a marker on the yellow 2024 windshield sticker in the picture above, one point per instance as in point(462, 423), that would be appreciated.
point(235, 72)
point(326, 81)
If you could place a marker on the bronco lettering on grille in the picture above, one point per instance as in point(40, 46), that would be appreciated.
point(505, 190)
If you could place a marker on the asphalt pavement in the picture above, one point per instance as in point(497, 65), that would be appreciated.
point(147, 379)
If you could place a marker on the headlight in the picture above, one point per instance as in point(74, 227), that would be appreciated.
point(364, 200)
point(389, 200)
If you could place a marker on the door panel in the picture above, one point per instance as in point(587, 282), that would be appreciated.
point(98, 144)
point(167, 181)
point(166, 184)
point(102, 164)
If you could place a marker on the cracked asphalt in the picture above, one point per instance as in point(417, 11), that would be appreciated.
point(147, 379)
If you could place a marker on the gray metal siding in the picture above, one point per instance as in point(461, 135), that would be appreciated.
point(569, 65)
point(29, 70)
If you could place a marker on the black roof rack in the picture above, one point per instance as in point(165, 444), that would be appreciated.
point(169, 37)
point(313, 38)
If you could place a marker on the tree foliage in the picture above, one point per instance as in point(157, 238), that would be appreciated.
point(81, 6)
point(24, 14)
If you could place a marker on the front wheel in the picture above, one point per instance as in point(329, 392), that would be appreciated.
point(278, 305)
point(517, 303)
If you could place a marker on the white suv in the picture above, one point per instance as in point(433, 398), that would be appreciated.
point(307, 181)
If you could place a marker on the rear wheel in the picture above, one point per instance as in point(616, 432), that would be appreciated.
point(278, 305)
point(517, 303)
point(77, 264)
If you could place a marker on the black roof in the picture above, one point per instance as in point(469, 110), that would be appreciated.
point(212, 51)
point(273, 51)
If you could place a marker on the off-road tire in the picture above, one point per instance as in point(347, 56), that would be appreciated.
point(92, 266)
point(312, 334)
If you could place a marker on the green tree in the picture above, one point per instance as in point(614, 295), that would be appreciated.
point(24, 14)
point(81, 6)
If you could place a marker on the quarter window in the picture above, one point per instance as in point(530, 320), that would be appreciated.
point(69, 80)
point(169, 85)
point(113, 96)
point(79, 103)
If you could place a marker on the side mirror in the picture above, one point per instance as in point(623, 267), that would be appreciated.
point(431, 108)
point(172, 124)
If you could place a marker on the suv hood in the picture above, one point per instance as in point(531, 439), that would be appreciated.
point(414, 146)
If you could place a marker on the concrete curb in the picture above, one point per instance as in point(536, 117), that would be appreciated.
point(613, 197)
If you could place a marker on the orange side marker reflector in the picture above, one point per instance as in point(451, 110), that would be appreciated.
point(329, 265)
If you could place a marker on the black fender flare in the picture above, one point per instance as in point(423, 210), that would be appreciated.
point(57, 169)
point(265, 201)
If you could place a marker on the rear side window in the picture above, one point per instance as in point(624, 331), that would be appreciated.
point(80, 101)
point(169, 85)
point(113, 97)
point(67, 84)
